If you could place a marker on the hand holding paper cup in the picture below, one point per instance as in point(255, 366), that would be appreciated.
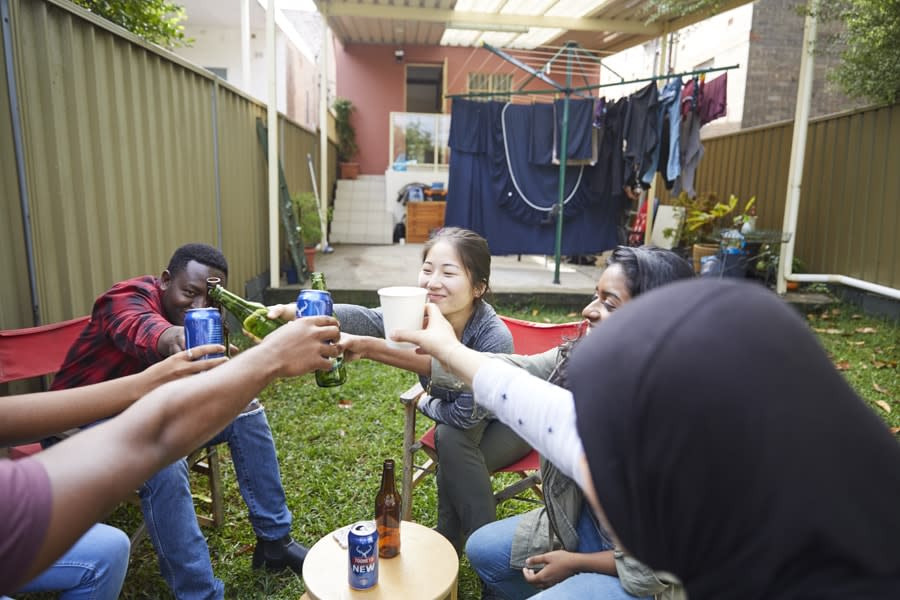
point(403, 307)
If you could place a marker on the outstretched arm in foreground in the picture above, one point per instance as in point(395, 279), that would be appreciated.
point(540, 412)
point(356, 347)
point(28, 417)
point(94, 470)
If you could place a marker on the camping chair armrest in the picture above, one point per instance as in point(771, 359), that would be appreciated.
point(410, 399)
point(411, 396)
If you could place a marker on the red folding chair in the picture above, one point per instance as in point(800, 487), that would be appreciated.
point(40, 351)
point(528, 338)
point(35, 352)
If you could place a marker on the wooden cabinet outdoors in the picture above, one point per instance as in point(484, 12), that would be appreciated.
point(422, 218)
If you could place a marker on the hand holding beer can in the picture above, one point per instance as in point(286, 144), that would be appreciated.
point(203, 326)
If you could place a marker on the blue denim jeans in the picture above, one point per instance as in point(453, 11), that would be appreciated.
point(93, 569)
point(489, 550)
point(172, 523)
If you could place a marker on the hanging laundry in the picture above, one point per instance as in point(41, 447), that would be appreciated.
point(581, 142)
point(640, 134)
point(691, 153)
point(714, 103)
point(691, 96)
point(599, 112)
point(666, 158)
point(469, 125)
point(606, 177)
point(541, 149)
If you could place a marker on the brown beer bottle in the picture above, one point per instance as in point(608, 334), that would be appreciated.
point(387, 513)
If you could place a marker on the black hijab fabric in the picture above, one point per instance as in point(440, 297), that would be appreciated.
point(725, 448)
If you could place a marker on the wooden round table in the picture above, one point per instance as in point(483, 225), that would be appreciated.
point(426, 568)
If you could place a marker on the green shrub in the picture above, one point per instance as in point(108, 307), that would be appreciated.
point(307, 211)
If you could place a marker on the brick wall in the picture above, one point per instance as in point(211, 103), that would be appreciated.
point(774, 67)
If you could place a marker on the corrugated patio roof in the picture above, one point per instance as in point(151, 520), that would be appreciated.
point(605, 26)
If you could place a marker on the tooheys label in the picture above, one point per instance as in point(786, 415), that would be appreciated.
point(362, 560)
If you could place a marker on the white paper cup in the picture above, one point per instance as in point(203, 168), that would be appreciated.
point(403, 307)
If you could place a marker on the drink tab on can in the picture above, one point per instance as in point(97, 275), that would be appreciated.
point(362, 545)
point(203, 326)
point(312, 303)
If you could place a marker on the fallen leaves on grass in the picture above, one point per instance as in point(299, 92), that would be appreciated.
point(865, 330)
point(895, 430)
point(878, 388)
point(884, 364)
point(856, 343)
point(829, 331)
point(842, 365)
point(883, 405)
point(344, 403)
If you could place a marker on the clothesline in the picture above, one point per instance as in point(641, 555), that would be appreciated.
point(579, 89)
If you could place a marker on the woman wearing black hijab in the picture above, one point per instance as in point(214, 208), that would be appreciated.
point(731, 453)
point(734, 455)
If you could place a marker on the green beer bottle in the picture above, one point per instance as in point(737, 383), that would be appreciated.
point(337, 375)
point(252, 315)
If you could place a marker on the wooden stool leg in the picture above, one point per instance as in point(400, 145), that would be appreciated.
point(215, 487)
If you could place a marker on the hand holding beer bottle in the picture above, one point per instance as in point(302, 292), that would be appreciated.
point(317, 301)
point(252, 315)
point(387, 513)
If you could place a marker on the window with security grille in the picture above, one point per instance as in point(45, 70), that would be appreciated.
point(499, 85)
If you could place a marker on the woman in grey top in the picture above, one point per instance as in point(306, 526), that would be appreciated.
point(470, 443)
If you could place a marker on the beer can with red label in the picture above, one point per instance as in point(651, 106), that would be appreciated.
point(362, 544)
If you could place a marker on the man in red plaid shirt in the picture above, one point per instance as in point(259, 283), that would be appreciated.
point(139, 322)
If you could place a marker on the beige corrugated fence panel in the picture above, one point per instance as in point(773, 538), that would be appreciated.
point(849, 216)
point(121, 163)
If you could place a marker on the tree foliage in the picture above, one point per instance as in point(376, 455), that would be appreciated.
point(869, 50)
point(157, 21)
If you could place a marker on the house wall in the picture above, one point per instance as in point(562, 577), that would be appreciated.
point(375, 82)
point(773, 67)
point(297, 92)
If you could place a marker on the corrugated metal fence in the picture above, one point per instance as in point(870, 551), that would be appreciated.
point(128, 152)
point(850, 197)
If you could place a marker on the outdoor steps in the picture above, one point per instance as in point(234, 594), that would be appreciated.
point(360, 216)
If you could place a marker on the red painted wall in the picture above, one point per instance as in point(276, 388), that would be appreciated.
point(374, 81)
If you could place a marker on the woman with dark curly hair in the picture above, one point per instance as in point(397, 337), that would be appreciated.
point(560, 548)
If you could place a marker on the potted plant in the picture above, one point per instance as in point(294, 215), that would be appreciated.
point(307, 210)
point(346, 134)
point(704, 219)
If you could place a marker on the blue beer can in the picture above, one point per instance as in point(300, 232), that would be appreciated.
point(362, 544)
point(203, 326)
point(312, 303)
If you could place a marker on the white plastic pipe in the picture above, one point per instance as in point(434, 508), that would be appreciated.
point(795, 173)
point(324, 69)
point(245, 46)
point(272, 126)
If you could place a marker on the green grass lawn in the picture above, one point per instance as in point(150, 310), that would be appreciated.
point(331, 443)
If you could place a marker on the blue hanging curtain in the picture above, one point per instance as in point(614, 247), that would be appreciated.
point(495, 189)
